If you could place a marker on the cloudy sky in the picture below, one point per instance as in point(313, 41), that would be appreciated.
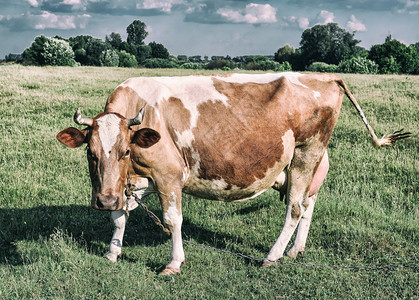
point(207, 27)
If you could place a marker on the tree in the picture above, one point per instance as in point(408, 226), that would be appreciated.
point(33, 54)
point(284, 54)
point(158, 50)
point(115, 40)
point(109, 58)
point(79, 45)
point(416, 45)
point(143, 53)
point(94, 49)
point(395, 57)
point(326, 43)
point(136, 33)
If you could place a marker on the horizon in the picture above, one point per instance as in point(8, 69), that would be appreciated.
point(207, 28)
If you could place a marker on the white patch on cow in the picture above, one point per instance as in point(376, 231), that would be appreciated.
point(195, 90)
point(316, 94)
point(288, 141)
point(263, 78)
point(293, 78)
point(108, 131)
point(185, 138)
point(143, 188)
point(219, 184)
point(281, 179)
point(192, 90)
point(172, 215)
point(185, 174)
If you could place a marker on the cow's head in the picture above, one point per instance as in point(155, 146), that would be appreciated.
point(110, 142)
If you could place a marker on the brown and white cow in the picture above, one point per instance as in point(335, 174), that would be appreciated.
point(226, 138)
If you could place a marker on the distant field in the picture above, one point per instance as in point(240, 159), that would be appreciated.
point(52, 242)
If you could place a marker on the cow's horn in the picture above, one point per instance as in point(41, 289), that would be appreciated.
point(81, 121)
point(137, 120)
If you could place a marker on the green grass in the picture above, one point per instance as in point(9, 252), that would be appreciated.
point(52, 242)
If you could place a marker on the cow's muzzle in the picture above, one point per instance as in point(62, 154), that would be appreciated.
point(106, 202)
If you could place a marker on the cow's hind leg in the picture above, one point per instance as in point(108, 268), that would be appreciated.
point(304, 224)
point(301, 173)
point(119, 217)
point(303, 228)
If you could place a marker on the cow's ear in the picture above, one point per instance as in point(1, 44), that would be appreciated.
point(146, 137)
point(72, 137)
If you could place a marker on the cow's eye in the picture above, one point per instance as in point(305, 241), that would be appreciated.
point(127, 153)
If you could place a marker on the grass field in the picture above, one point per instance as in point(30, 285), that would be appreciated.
point(52, 242)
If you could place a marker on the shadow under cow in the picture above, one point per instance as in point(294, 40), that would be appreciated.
point(93, 229)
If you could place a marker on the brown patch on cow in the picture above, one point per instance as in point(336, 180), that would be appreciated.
point(241, 141)
point(295, 211)
point(322, 122)
point(125, 101)
point(178, 116)
point(187, 156)
point(317, 116)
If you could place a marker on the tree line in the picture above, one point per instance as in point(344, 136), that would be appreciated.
point(323, 48)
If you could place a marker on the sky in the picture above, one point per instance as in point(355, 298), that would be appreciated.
point(207, 27)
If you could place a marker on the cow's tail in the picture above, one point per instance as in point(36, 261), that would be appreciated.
point(386, 140)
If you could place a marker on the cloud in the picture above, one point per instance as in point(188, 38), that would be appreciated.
point(163, 5)
point(355, 25)
point(252, 14)
point(325, 17)
point(301, 22)
point(364, 5)
point(44, 20)
point(408, 6)
point(33, 3)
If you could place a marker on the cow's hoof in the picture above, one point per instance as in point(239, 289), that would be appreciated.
point(268, 263)
point(112, 256)
point(170, 271)
point(292, 254)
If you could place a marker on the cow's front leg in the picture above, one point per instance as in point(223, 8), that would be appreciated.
point(172, 215)
point(119, 217)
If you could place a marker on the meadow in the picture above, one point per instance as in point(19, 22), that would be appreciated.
point(52, 242)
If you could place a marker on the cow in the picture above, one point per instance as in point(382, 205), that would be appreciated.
point(227, 137)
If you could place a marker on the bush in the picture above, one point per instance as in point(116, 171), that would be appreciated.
point(222, 64)
point(127, 60)
point(109, 58)
point(358, 65)
point(161, 63)
point(192, 66)
point(322, 67)
point(49, 51)
point(389, 65)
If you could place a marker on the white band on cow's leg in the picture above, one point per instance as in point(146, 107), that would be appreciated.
point(119, 218)
point(173, 218)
